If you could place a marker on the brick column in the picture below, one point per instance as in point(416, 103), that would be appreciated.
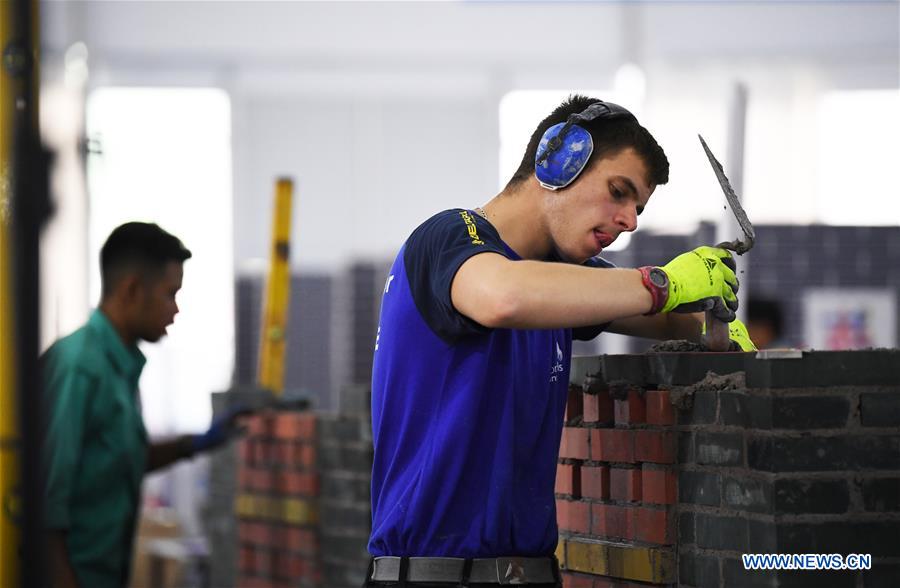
point(276, 502)
point(616, 488)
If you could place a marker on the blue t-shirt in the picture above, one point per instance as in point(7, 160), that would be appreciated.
point(466, 419)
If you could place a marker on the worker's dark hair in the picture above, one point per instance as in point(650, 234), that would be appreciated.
point(142, 247)
point(766, 310)
point(610, 136)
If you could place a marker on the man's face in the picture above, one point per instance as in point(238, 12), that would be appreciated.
point(603, 203)
point(155, 307)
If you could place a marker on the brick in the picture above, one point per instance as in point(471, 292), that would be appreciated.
point(698, 570)
point(281, 453)
point(703, 409)
point(568, 480)
point(640, 563)
point(334, 428)
point(290, 566)
point(573, 516)
point(686, 447)
point(699, 488)
point(654, 446)
point(810, 412)
point(290, 425)
point(246, 451)
point(762, 536)
point(721, 449)
point(247, 560)
point(625, 484)
point(571, 580)
point(305, 484)
point(257, 425)
point(303, 455)
point(799, 496)
point(830, 453)
point(574, 405)
point(658, 486)
point(747, 494)
point(254, 533)
point(659, 408)
point(686, 528)
point(654, 526)
point(586, 556)
point(882, 575)
point(616, 445)
point(346, 486)
point(880, 409)
point(574, 443)
point(612, 521)
point(881, 495)
point(294, 538)
point(353, 457)
point(721, 532)
point(598, 408)
point(595, 482)
point(631, 410)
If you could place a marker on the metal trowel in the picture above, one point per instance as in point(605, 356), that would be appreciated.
point(716, 337)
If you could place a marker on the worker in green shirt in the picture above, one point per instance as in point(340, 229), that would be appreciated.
point(96, 450)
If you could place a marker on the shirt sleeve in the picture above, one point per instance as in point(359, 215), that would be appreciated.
point(590, 332)
point(433, 254)
point(67, 393)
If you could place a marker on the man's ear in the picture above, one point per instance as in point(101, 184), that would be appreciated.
point(131, 288)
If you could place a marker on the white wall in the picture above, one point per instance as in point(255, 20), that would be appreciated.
point(387, 111)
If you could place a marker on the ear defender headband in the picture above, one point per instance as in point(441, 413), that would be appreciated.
point(565, 148)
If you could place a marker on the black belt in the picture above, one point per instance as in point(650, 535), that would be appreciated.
point(500, 570)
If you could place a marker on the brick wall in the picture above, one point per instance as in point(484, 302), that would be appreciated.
point(669, 473)
point(277, 505)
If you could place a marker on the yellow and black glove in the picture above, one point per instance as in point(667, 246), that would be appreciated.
point(701, 280)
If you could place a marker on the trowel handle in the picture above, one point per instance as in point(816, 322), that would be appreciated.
point(716, 337)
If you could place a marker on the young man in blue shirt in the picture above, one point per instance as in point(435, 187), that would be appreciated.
point(472, 355)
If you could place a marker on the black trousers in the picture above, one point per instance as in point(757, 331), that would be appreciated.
point(373, 584)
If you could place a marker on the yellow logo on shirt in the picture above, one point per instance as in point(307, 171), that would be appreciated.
point(470, 226)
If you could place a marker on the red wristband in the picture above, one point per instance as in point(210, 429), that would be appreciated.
point(658, 286)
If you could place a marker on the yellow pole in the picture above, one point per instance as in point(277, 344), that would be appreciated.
point(275, 314)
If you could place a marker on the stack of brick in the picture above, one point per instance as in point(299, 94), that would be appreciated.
point(791, 454)
point(616, 489)
point(277, 502)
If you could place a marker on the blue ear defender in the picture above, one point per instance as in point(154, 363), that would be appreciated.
point(565, 148)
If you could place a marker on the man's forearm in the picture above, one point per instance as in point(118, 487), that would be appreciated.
point(63, 572)
point(164, 453)
point(664, 327)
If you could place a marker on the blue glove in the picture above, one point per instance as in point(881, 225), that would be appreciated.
point(221, 430)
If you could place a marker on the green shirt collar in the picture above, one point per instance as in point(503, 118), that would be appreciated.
point(127, 359)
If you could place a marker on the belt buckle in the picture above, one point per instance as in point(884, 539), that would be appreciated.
point(510, 570)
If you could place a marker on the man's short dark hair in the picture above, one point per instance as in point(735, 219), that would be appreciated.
point(610, 136)
point(144, 247)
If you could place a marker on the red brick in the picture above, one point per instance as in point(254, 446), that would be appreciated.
point(258, 534)
point(595, 482)
point(282, 453)
point(598, 408)
point(257, 425)
point(291, 425)
point(574, 443)
point(574, 405)
point(568, 480)
point(653, 526)
point(625, 484)
point(290, 566)
point(654, 446)
point(304, 456)
point(659, 485)
point(573, 516)
point(631, 410)
point(659, 408)
point(612, 521)
point(245, 451)
point(262, 561)
point(570, 580)
point(304, 484)
point(612, 445)
point(248, 560)
point(297, 539)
